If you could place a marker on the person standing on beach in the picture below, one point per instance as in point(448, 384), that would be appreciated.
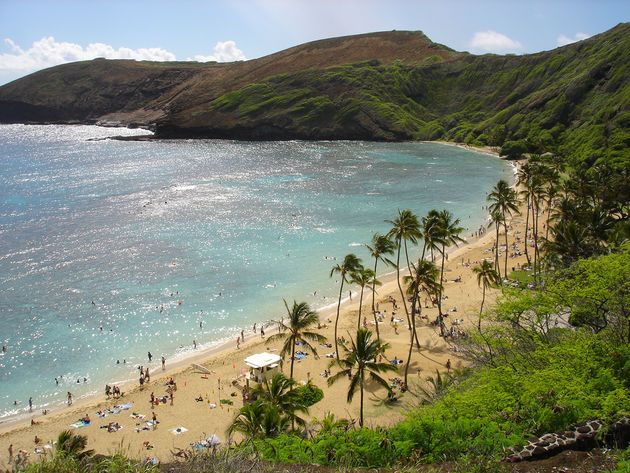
point(150, 356)
point(262, 332)
point(243, 336)
point(10, 452)
point(30, 404)
point(154, 419)
point(238, 342)
point(163, 363)
point(69, 398)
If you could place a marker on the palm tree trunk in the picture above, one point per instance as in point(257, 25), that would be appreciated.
point(413, 318)
point(402, 294)
point(483, 299)
point(496, 252)
point(292, 357)
point(337, 319)
point(548, 216)
point(378, 335)
point(361, 407)
point(441, 288)
point(506, 247)
point(529, 263)
point(360, 305)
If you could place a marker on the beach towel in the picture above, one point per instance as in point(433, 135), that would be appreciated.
point(123, 406)
point(178, 430)
point(137, 416)
point(79, 424)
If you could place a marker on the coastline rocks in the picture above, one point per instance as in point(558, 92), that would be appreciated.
point(583, 436)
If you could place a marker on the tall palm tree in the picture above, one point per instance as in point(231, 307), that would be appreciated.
point(300, 318)
point(430, 233)
point(525, 179)
point(404, 227)
point(380, 247)
point(350, 263)
point(424, 278)
point(496, 218)
point(503, 199)
point(448, 232)
point(486, 277)
point(363, 277)
point(360, 363)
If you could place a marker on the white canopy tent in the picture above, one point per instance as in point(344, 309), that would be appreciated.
point(262, 366)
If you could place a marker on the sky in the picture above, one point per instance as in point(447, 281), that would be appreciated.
point(36, 34)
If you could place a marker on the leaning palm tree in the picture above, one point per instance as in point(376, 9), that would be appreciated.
point(360, 363)
point(380, 247)
point(486, 277)
point(448, 231)
point(503, 199)
point(423, 278)
point(404, 227)
point(300, 318)
point(73, 446)
point(362, 278)
point(350, 263)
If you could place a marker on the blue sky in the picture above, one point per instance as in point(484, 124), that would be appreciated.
point(35, 34)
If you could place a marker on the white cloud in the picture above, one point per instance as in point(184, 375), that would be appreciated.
point(492, 41)
point(47, 52)
point(225, 51)
point(564, 40)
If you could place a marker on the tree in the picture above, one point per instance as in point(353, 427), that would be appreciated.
point(405, 227)
point(496, 218)
point(448, 234)
point(380, 247)
point(362, 278)
point(513, 149)
point(279, 393)
point(486, 277)
point(503, 199)
point(350, 263)
point(300, 318)
point(423, 278)
point(73, 446)
point(258, 420)
point(360, 363)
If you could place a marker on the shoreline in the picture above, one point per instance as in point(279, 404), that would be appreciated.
point(183, 360)
point(224, 361)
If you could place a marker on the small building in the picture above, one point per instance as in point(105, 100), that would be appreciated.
point(262, 366)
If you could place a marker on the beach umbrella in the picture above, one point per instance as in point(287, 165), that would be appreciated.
point(213, 441)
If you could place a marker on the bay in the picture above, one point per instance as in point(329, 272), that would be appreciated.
point(110, 249)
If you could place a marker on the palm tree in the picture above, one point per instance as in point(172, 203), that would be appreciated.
point(361, 358)
point(422, 279)
point(73, 446)
point(524, 179)
point(405, 227)
point(379, 249)
point(350, 263)
point(448, 233)
point(279, 392)
point(362, 278)
point(486, 277)
point(300, 318)
point(430, 233)
point(496, 218)
point(259, 420)
point(503, 199)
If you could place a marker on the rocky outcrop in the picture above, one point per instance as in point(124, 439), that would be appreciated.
point(583, 436)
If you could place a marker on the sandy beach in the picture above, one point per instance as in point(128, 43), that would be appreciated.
point(199, 419)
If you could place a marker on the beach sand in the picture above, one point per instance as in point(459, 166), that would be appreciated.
point(226, 364)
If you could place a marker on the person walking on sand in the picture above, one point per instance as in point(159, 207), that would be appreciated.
point(262, 332)
point(243, 336)
point(154, 420)
point(10, 452)
point(69, 398)
point(238, 342)
point(448, 365)
point(163, 363)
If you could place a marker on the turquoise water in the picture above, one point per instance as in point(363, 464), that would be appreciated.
point(226, 228)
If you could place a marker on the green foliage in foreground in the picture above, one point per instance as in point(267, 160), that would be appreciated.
point(535, 377)
point(118, 463)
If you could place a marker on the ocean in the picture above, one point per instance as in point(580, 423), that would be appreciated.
point(110, 249)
